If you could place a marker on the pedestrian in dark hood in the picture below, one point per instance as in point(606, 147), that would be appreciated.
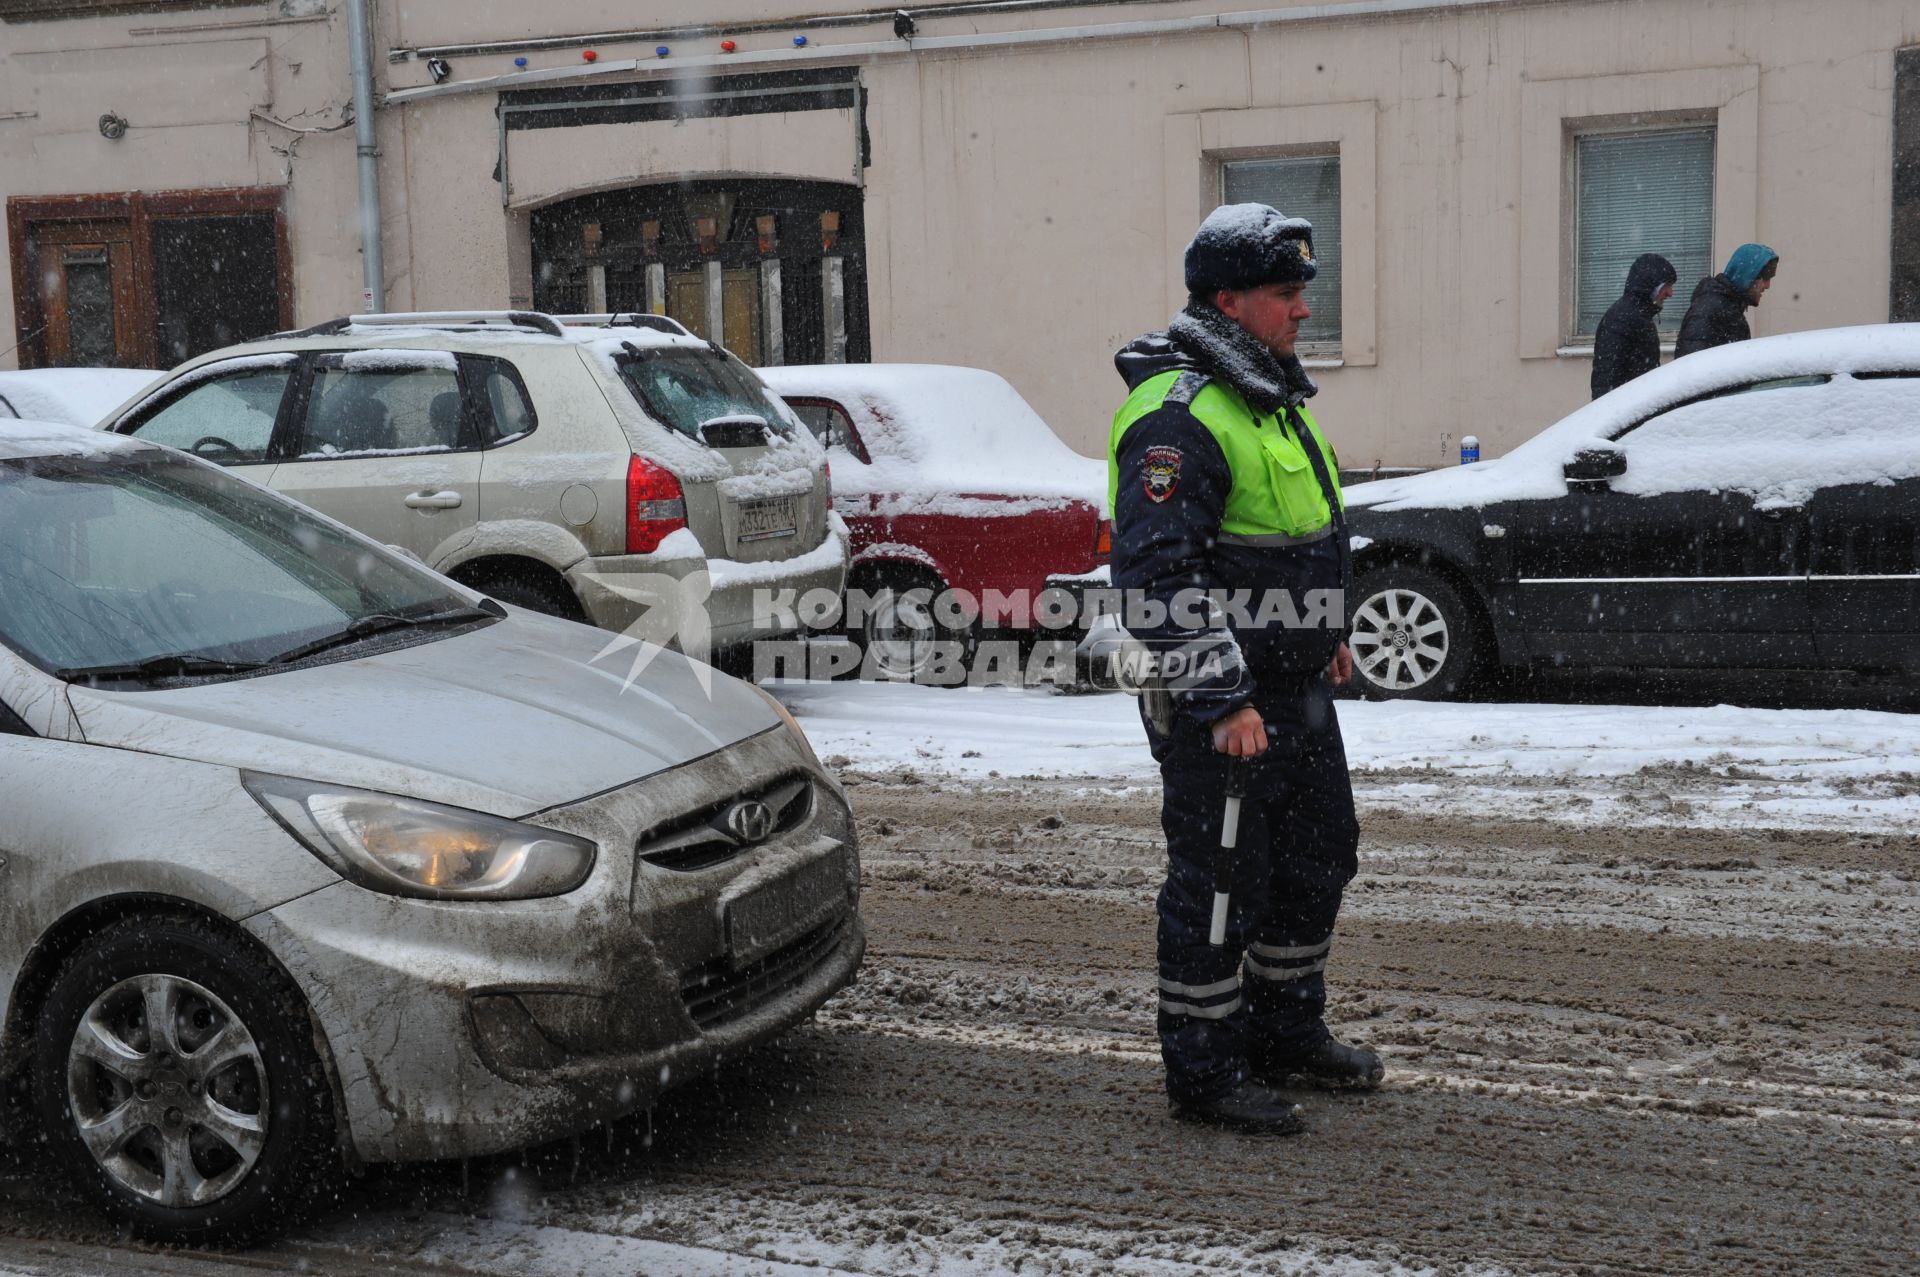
point(1718, 312)
point(1627, 343)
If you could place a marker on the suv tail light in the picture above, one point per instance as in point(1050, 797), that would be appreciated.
point(1103, 539)
point(656, 506)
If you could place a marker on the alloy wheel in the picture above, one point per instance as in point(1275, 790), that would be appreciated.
point(1400, 639)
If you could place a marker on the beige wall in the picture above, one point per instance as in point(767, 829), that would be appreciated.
point(1026, 204)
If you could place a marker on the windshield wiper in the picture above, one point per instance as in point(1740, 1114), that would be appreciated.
point(172, 665)
point(376, 623)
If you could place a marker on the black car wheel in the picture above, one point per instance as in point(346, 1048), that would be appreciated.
point(176, 1080)
point(902, 638)
point(1414, 636)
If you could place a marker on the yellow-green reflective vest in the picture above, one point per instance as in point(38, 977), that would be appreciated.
point(1274, 488)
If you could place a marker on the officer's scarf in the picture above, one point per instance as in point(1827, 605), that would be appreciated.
point(1224, 349)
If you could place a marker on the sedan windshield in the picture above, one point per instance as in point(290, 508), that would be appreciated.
point(147, 565)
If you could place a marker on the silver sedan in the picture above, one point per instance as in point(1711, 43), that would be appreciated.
point(313, 856)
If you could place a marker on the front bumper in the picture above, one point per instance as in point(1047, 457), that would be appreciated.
point(662, 600)
point(462, 1029)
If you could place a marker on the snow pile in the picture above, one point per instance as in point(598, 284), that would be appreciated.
point(938, 434)
point(76, 396)
point(1533, 470)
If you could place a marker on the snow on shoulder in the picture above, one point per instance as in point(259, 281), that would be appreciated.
point(937, 428)
point(1847, 427)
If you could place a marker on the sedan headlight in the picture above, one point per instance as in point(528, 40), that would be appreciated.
point(407, 847)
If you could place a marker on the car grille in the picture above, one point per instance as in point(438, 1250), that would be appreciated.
point(716, 994)
point(700, 841)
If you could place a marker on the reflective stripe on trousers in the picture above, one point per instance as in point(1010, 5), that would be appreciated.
point(1214, 1001)
point(1284, 965)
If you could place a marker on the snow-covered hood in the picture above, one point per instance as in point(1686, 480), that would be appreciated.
point(508, 719)
point(76, 396)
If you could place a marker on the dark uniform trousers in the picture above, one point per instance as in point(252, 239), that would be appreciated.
point(1261, 996)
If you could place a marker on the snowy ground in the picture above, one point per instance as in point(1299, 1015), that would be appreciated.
point(1643, 978)
point(1720, 766)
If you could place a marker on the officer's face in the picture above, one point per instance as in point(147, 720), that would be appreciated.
point(1271, 313)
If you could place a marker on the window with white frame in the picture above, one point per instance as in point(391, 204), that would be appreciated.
point(1305, 186)
point(1640, 191)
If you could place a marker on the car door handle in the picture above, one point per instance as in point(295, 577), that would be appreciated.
point(446, 500)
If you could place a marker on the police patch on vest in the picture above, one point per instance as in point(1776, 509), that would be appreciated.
point(1160, 471)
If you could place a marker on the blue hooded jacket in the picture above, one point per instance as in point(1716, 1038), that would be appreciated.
point(1747, 262)
point(1718, 313)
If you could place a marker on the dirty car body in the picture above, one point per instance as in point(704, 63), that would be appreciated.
point(512, 892)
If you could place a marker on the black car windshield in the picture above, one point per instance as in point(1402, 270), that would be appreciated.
point(683, 387)
point(113, 560)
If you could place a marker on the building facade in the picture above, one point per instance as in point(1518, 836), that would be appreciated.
point(1004, 183)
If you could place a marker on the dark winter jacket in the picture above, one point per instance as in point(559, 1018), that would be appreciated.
point(1627, 343)
point(1718, 312)
point(1717, 315)
point(1168, 540)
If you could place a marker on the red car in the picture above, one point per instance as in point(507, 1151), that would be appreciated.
point(948, 480)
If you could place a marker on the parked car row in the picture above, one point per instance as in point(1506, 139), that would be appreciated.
point(316, 850)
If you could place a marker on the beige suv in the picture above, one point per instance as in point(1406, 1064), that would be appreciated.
point(591, 471)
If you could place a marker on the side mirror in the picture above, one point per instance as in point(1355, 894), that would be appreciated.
point(1592, 467)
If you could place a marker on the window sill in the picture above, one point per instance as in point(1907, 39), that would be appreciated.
point(1324, 360)
point(1586, 351)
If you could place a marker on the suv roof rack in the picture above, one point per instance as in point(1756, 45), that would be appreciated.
point(629, 319)
point(532, 319)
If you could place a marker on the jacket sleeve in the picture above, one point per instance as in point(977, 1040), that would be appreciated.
point(1172, 495)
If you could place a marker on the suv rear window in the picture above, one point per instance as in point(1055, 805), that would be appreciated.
point(682, 388)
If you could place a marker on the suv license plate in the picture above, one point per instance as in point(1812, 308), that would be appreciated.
point(764, 519)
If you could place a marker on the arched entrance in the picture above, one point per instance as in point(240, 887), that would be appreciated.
point(774, 270)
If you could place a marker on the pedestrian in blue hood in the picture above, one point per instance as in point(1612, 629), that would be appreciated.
point(1718, 312)
point(1627, 343)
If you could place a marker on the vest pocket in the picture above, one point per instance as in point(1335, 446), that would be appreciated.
point(1296, 493)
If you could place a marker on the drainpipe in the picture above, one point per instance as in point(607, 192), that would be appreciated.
point(372, 262)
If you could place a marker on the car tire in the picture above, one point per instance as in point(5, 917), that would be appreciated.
point(1414, 635)
point(534, 592)
point(901, 639)
point(180, 1146)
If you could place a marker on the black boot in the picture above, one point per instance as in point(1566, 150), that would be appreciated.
point(1247, 1107)
point(1328, 1062)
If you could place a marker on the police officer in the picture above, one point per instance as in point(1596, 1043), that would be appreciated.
point(1230, 548)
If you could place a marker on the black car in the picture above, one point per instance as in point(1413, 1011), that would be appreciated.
point(1750, 507)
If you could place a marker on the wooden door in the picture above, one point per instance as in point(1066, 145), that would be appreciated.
point(87, 298)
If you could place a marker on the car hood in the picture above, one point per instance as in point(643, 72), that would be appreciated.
point(508, 719)
point(1453, 487)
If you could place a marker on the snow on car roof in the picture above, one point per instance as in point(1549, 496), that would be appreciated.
point(21, 438)
point(1774, 470)
point(78, 396)
point(936, 428)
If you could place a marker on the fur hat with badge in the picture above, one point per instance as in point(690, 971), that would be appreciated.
point(1243, 246)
